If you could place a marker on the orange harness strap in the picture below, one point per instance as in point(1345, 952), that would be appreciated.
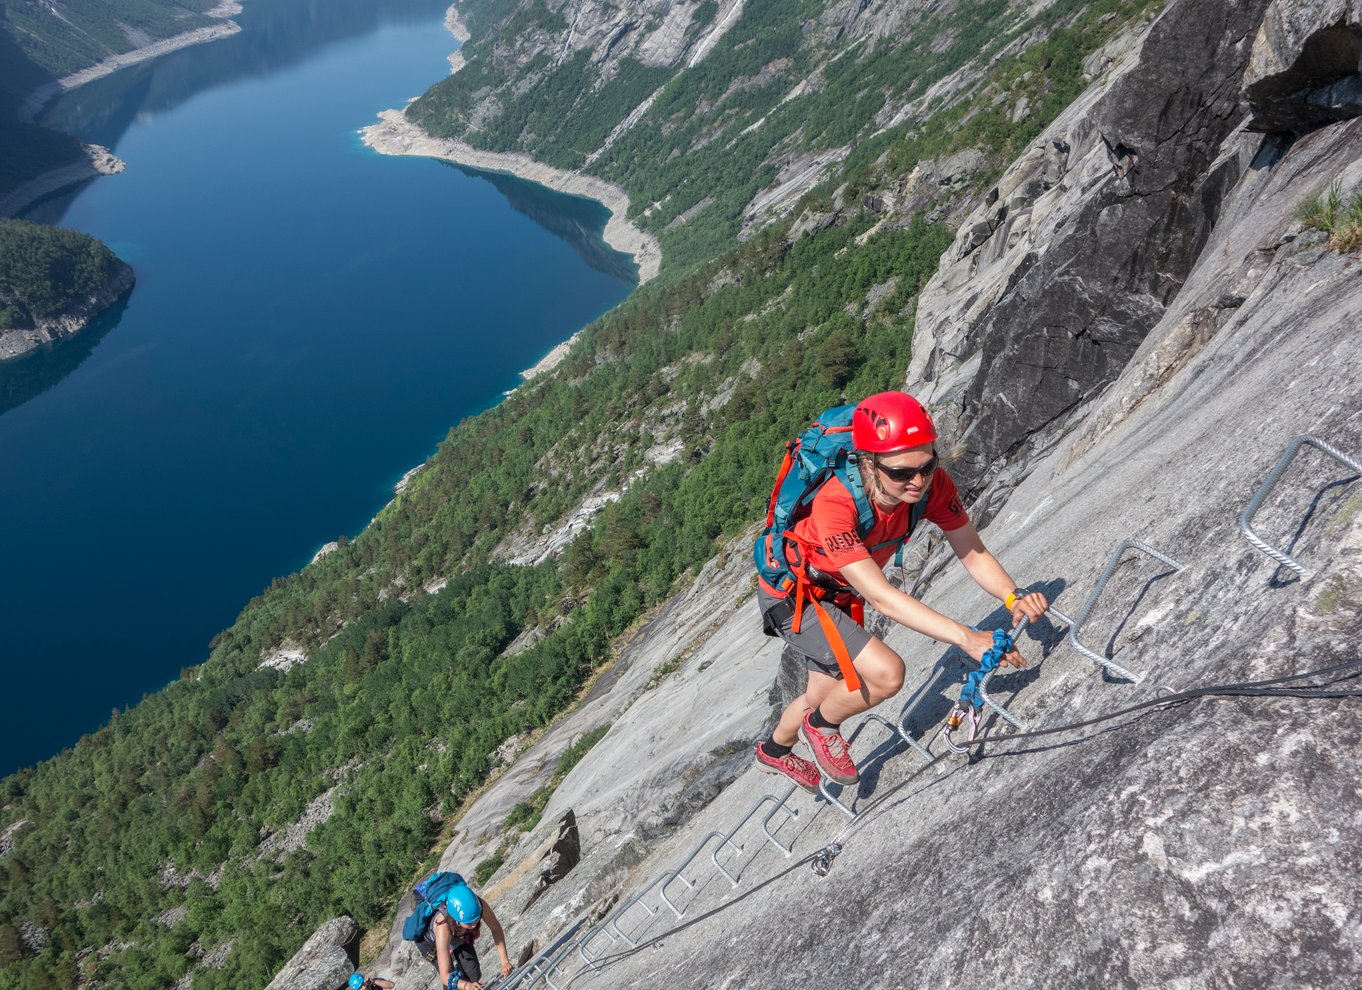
point(806, 590)
point(839, 648)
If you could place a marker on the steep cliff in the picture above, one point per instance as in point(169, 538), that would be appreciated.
point(571, 533)
point(1124, 338)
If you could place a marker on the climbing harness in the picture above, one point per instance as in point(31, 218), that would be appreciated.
point(822, 452)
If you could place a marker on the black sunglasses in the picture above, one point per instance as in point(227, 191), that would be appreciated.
point(902, 474)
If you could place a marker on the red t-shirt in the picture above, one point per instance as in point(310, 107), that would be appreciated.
point(829, 533)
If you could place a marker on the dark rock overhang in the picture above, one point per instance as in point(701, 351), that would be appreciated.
point(1322, 86)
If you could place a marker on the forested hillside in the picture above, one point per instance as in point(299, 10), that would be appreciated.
point(66, 35)
point(42, 42)
point(789, 88)
point(46, 270)
point(178, 802)
point(29, 149)
point(311, 765)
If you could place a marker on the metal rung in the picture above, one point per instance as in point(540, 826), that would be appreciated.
point(823, 781)
point(591, 936)
point(902, 727)
point(728, 836)
point(636, 899)
point(1274, 476)
point(937, 671)
point(1101, 659)
point(550, 965)
point(543, 964)
point(765, 823)
point(679, 873)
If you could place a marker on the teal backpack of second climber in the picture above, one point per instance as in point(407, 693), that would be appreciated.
point(431, 894)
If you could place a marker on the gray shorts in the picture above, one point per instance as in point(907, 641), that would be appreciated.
point(777, 615)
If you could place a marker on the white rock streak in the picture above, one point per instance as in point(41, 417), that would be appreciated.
point(719, 30)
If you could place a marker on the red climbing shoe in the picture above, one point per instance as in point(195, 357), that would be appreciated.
point(802, 772)
point(830, 752)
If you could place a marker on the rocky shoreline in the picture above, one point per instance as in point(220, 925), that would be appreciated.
point(394, 134)
point(102, 162)
point(454, 25)
point(53, 329)
point(39, 98)
point(550, 360)
point(98, 161)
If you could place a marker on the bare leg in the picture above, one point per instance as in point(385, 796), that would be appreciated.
point(881, 672)
point(818, 687)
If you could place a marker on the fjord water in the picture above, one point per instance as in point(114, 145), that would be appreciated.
point(309, 320)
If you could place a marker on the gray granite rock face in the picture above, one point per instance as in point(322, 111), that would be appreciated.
point(686, 701)
point(1056, 279)
point(326, 960)
point(1208, 845)
point(563, 855)
point(1213, 844)
point(58, 327)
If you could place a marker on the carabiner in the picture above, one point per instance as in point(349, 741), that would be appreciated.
point(959, 716)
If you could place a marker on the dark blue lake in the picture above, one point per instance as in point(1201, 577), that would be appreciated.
point(309, 320)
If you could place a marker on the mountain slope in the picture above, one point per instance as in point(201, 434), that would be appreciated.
point(322, 756)
point(718, 118)
point(1178, 846)
point(65, 36)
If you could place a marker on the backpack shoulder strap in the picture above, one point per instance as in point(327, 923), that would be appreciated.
point(850, 475)
point(916, 513)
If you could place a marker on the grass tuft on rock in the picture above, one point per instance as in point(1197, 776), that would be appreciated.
point(1339, 217)
point(525, 815)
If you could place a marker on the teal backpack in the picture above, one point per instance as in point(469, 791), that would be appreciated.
point(820, 453)
point(430, 895)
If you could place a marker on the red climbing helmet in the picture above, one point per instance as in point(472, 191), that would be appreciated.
point(890, 421)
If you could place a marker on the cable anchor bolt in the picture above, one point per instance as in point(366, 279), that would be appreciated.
point(822, 862)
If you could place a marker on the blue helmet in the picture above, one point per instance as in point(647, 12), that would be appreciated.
point(463, 905)
point(357, 981)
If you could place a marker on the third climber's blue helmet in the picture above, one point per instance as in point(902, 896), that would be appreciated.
point(357, 981)
point(463, 905)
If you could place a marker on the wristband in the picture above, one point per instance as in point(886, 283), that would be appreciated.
point(1012, 598)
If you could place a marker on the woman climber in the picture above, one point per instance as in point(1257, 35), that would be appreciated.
point(823, 560)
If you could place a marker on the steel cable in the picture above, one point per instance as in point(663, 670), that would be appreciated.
point(1266, 688)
